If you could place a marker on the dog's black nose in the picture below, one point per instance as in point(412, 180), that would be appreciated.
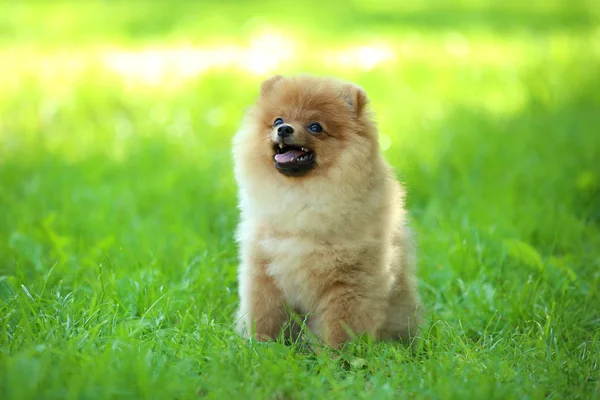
point(284, 130)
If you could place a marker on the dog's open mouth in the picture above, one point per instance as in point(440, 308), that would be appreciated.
point(293, 160)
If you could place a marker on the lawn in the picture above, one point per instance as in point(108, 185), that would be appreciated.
point(118, 204)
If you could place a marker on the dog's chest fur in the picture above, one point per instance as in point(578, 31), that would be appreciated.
point(295, 263)
point(302, 266)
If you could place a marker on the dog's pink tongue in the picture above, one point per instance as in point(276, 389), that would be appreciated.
point(288, 156)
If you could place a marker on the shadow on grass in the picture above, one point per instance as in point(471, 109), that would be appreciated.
point(72, 22)
point(496, 16)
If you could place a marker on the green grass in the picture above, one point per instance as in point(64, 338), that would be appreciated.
point(117, 202)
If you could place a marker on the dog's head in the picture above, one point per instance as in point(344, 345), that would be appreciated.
point(309, 125)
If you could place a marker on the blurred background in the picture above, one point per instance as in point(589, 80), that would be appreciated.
point(116, 120)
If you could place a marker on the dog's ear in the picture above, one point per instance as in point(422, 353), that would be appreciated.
point(356, 97)
point(267, 85)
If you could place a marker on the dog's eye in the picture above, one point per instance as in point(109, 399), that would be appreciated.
point(277, 122)
point(316, 127)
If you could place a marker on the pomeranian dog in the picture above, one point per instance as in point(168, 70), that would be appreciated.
point(323, 231)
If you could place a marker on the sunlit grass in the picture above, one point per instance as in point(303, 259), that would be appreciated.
point(432, 75)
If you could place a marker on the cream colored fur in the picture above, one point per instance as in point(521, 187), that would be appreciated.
point(334, 244)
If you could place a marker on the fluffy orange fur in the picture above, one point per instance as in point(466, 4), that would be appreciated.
point(332, 244)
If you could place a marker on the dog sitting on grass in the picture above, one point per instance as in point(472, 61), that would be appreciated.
point(323, 228)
